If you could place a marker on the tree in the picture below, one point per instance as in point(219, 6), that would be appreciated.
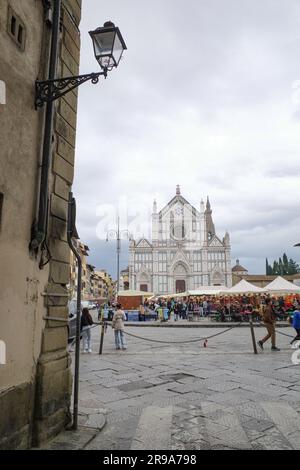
point(269, 269)
point(293, 267)
point(285, 264)
point(282, 267)
point(275, 268)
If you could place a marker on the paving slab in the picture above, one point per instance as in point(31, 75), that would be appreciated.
point(185, 396)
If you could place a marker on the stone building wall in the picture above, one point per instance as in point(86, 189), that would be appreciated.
point(35, 382)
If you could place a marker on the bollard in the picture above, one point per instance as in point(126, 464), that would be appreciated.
point(102, 337)
point(252, 335)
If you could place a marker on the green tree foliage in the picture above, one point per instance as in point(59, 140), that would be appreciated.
point(282, 266)
point(293, 267)
point(269, 270)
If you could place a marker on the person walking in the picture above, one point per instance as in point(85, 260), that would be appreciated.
point(269, 320)
point(118, 325)
point(204, 304)
point(85, 324)
point(176, 313)
point(165, 312)
point(296, 325)
point(142, 316)
point(160, 313)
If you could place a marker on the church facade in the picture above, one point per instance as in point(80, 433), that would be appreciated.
point(184, 253)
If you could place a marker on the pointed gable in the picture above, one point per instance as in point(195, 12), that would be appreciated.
point(143, 243)
point(178, 200)
point(215, 242)
point(180, 257)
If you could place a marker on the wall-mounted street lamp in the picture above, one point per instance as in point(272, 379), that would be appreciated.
point(109, 46)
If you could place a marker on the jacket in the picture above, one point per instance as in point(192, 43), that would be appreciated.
point(118, 320)
point(268, 314)
point(296, 320)
point(86, 320)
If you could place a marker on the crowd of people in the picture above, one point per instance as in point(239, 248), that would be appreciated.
point(238, 308)
point(224, 308)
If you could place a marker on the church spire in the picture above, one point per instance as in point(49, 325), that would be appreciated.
point(177, 190)
point(154, 207)
point(210, 228)
point(202, 206)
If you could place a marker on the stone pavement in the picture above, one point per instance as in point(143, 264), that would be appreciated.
point(184, 396)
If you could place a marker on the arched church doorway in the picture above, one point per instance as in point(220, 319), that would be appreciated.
point(180, 286)
point(180, 277)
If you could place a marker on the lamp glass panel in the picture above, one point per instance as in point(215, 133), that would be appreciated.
point(118, 50)
point(103, 43)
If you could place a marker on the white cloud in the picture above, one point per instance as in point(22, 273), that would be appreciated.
point(206, 98)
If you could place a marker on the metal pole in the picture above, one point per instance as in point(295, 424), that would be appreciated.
point(252, 334)
point(118, 255)
point(102, 337)
point(71, 218)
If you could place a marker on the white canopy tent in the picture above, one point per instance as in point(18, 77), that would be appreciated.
point(203, 290)
point(208, 290)
point(180, 294)
point(134, 293)
point(281, 286)
point(244, 287)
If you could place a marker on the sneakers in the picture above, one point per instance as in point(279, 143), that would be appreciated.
point(261, 345)
point(274, 348)
point(90, 351)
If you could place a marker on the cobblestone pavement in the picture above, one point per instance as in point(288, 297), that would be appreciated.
point(184, 396)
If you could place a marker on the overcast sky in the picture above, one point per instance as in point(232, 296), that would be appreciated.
point(206, 96)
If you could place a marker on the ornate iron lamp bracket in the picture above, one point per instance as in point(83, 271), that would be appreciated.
point(50, 90)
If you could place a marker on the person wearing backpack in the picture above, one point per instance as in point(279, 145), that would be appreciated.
point(86, 323)
point(118, 325)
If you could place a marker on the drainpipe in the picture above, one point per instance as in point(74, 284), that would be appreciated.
point(39, 228)
point(70, 232)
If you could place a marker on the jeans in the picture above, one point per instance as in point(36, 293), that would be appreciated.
point(120, 339)
point(297, 337)
point(86, 337)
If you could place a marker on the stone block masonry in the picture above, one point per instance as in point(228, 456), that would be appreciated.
point(54, 383)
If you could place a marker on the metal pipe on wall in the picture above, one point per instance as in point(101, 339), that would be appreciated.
point(70, 233)
point(39, 228)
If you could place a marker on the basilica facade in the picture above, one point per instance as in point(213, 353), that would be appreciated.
point(184, 253)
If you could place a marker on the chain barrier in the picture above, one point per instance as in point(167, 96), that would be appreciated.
point(284, 334)
point(194, 340)
point(205, 338)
